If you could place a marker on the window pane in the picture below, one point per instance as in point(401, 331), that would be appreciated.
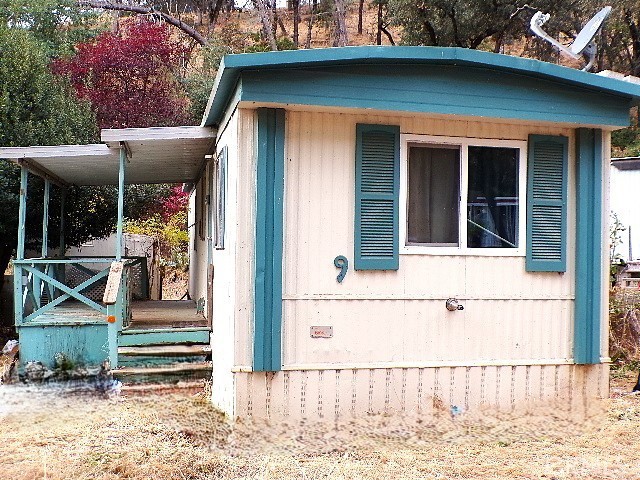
point(492, 202)
point(433, 195)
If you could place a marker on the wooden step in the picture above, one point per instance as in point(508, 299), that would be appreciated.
point(165, 350)
point(158, 355)
point(163, 336)
point(182, 372)
point(191, 387)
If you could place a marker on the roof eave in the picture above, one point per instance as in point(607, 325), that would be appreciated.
point(232, 67)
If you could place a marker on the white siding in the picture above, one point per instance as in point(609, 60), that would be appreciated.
point(224, 279)
point(245, 224)
point(398, 318)
point(198, 245)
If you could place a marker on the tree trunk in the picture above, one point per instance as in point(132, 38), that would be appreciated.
point(266, 20)
point(296, 22)
point(379, 32)
point(214, 13)
point(176, 22)
point(634, 32)
point(283, 29)
point(309, 27)
point(360, 15)
point(340, 22)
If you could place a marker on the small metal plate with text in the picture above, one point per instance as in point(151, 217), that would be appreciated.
point(321, 332)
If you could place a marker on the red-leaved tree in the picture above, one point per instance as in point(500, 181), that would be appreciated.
point(131, 78)
point(175, 202)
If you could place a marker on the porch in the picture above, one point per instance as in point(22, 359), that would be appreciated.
point(93, 309)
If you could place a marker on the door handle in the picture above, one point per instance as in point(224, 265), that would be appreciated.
point(453, 305)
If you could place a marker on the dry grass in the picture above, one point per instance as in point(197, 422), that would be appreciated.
point(56, 435)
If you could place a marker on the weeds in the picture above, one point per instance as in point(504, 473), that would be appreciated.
point(624, 326)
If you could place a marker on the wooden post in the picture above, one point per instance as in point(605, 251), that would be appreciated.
point(63, 198)
point(18, 306)
point(22, 213)
point(45, 218)
point(123, 159)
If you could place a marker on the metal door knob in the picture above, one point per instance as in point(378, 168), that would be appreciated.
point(453, 304)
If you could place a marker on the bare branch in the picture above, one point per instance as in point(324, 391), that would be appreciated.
point(106, 5)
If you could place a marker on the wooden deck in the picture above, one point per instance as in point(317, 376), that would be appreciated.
point(147, 315)
point(155, 314)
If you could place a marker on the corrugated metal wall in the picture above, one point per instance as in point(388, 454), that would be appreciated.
point(399, 318)
point(224, 275)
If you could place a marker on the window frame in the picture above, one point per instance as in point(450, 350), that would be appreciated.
point(218, 198)
point(463, 143)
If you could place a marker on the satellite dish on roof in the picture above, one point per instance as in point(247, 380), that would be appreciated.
point(584, 44)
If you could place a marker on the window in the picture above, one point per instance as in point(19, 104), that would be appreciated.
point(219, 187)
point(463, 195)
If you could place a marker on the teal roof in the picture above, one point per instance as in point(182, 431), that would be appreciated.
point(268, 77)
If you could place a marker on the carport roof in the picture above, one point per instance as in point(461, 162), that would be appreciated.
point(154, 155)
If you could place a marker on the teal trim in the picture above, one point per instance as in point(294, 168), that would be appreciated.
point(232, 71)
point(121, 169)
point(446, 90)
point(589, 274)
point(547, 180)
point(22, 212)
point(49, 306)
point(72, 292)
point(269, 239)
point(377, 197)
point(18, 304)
point(132, 338)
point(45, 217)
point(84, 344)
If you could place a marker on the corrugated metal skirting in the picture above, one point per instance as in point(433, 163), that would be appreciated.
point(339, 394)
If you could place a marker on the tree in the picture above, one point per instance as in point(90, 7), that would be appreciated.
point(56, 24)
point(471, 23)
point(158, 14)
point(131, 78)
point(340, 38)
point(36, 108)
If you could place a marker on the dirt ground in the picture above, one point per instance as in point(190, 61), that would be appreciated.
point(49, 433)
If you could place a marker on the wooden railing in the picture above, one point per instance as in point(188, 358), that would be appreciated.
point(41, 284)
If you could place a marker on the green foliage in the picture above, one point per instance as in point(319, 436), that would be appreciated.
point(626, 142)
point(56, 24)
point(232, 39)
point(616, 263)
point(37, 108)
point(615, 237)
point(460, 23)
point(487, 24)
point(172, 235)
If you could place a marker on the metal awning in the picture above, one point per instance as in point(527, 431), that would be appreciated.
point(626, 163)
point(154, 155)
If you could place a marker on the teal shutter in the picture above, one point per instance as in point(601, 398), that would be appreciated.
point(377, 192)
point(547, 204)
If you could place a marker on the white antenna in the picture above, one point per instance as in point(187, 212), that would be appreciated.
point(583, 45)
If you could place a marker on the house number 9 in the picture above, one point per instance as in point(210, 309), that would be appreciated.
point(342, 263)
